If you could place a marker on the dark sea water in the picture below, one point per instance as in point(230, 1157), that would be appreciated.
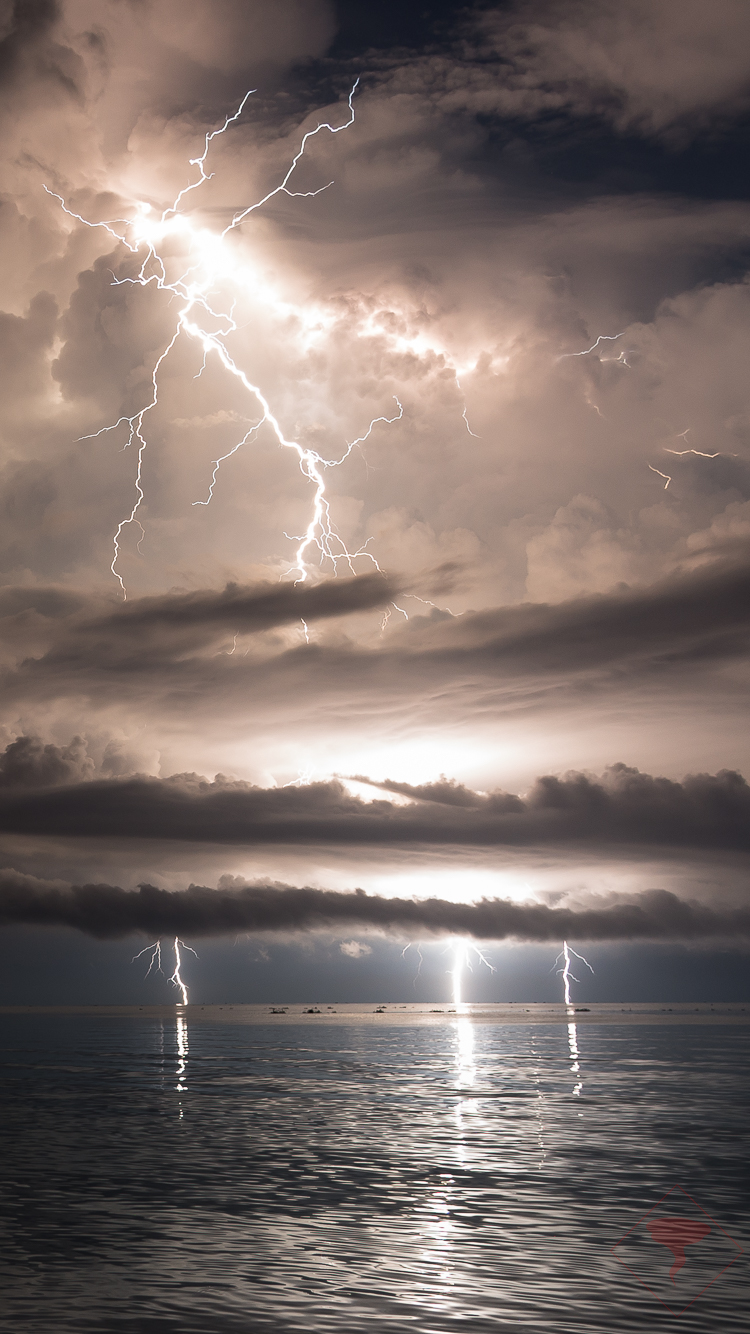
point(168, 1173)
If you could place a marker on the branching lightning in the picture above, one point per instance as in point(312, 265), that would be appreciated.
point(565, 972)
point(461, 960)
point(567, 978)
point(198, 322)
point(155, 964)
point(603, 338)
point(411, 945)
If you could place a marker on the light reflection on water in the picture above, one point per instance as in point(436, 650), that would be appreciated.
point(168, 1176)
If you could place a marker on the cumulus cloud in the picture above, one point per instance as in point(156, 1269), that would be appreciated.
point(108, 912)
point(28, 762)
point(354, 949)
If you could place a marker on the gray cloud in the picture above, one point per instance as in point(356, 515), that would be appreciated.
point(681, 626)
point(108, 912)
point(625, 808)
point(27, 762)
point(504, 197)
point(666, 69)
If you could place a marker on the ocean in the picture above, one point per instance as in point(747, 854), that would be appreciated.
point(374, 1168)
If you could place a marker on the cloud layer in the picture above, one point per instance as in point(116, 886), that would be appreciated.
point(532, 237)
point(107, 912)
point(624, 808)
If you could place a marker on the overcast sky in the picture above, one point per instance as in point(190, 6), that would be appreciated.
point(382, 523)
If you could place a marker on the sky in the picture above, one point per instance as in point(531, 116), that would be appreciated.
point(375, 498)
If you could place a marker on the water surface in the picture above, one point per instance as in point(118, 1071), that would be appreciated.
point(163, 1171)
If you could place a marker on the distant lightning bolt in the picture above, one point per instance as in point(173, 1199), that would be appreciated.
point(565, 972)
point(466, 419)
point(155, 963)
point(155, 960)
point(567, 978)
point(176, 978)
point(699, 452)
point(209, 329)
point(461, 960)
point(603, 338)
point(667, 478)
point(411, 945)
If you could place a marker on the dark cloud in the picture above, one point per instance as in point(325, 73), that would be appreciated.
point(245, 610)
point(624, 808)
point(106, 911)
point(27, 762)
point(520, 178)
point(679, 627)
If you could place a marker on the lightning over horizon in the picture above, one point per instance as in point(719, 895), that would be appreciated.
point(155, 964)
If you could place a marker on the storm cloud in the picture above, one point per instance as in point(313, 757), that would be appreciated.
point(530, 234)
point(624, 807)
point(108, 912)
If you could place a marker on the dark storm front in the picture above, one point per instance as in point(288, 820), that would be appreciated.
point(160, 1175)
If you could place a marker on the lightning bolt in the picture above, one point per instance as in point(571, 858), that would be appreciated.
point(198, 322)
point(666, 476)
point(411, 945)
point(603, 338)
point(567, 978)
point(461, 960)
point(565, 972)
point(155, 963)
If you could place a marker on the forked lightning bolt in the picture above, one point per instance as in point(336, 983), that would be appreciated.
point(461, 960)
point(565, 972)
point(155, 963)
point(209, 329)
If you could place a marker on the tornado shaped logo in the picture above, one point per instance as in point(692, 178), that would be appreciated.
point(677, 1285)
point(677, 1233)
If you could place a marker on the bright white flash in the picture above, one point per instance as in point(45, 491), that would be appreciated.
point(565, 972)
point(155, 963)
point(208, 261)
point(462, 960)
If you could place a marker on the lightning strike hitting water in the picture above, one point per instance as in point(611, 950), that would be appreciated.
point(461, 960)
point(565, 972)
point(567, 977)
point(208, 261)
point(155, 964)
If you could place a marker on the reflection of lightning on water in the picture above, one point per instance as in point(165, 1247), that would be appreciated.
point(567, 977)
point(155, 963)
point(209, 261)
point(182, 1054)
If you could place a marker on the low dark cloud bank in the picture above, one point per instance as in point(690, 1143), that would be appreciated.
point(108, 912)
point(245, 609)
point(622, 808)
